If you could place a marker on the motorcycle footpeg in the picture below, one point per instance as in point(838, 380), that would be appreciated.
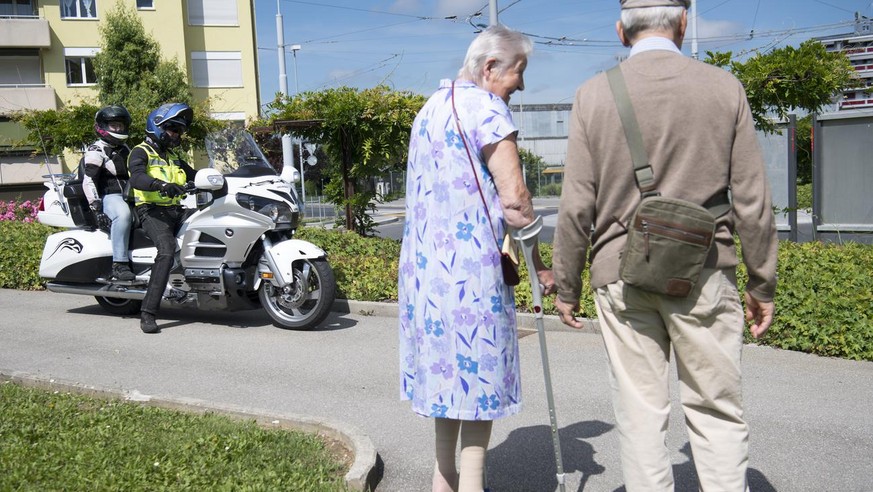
point(121, 283)
point(175, 295)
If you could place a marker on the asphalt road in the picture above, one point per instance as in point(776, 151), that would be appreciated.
point(811, 419)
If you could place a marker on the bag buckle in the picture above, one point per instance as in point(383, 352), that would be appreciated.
point(650, 193)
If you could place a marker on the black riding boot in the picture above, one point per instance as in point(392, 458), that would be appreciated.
point(148, 324)
point(120, 271)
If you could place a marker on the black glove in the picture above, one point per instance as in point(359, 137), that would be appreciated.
point(97, 206)
point(104, 223)
point(172, 190)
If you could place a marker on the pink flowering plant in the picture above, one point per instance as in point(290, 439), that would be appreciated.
point(19, 212)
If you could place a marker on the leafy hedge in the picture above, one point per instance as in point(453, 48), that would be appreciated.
point(823, 300)
point(20, 250)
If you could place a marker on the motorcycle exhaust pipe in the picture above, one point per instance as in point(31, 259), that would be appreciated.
point(97, 290)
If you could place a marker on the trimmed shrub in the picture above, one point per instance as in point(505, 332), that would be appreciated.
point(822, 302)
point(20, 251)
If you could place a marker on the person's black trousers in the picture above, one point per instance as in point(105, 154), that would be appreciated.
point(160, 223)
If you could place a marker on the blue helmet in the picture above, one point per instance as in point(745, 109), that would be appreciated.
point(178, 115)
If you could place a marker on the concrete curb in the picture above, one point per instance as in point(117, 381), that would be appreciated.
point(526, 321)
point(359, 477)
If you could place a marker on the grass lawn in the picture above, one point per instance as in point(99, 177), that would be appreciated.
point(63, 441)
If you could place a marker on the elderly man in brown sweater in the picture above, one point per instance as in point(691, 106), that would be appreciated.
point(699, 136)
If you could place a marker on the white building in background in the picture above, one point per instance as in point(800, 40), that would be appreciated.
point(543, 130)
point(858, 47)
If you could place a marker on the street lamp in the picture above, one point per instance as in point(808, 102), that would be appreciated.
point(294, 49)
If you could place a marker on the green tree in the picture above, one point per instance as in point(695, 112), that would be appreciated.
point(364, 133)
point(788, 79)
point(533, 166)
point(130, 72)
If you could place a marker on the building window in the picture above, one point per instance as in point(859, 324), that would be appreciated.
point(15, 8)
point(145, 4)
point(216, 68)
point(80, 65)
point(78, 9)
point(212, 13)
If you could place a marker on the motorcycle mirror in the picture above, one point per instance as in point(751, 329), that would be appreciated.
point(208, 179)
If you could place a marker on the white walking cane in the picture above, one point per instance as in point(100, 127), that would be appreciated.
point(527, 236)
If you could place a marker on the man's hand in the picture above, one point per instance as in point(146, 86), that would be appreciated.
point(97, 206)
point(547, 281)
point(760, 313)
point(172, 190)
point(565, 313)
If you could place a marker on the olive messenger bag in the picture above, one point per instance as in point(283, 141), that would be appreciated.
point(668, 238)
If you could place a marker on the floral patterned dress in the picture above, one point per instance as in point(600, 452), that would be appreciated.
point(458, 340)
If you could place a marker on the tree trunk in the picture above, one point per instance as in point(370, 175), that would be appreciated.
point(348, 186)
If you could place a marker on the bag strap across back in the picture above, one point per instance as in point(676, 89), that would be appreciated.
point(643, 173)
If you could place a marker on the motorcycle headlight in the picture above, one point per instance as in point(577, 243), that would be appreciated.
point(280, 213)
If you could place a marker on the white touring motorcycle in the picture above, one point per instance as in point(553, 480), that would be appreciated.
point(236, 249)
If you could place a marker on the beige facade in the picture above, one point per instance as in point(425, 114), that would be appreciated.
point(47, 46)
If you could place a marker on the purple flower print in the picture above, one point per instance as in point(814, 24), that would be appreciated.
point(491, 259)
point(444, 368)
point(420, 211)
point(488, 362)
point(436, 150)
point(439, 287)
point(463, 316)
point(471, 266)
point(408, 269)
point(444, 240)
point(466, 182)
point(441, 191)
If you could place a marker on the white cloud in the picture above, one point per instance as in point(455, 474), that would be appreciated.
point(460, 7)
point(714, 28)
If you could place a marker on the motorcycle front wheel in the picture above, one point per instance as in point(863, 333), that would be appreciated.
point(118, 306)
point(304, 303)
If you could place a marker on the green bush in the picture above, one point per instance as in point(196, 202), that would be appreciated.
point(20, 250)
point(552, 189)
point(822, 301)
point(365, 268)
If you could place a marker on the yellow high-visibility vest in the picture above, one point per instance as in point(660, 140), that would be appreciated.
point(165, 170)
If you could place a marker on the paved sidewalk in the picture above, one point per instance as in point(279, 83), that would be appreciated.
point(811, 419)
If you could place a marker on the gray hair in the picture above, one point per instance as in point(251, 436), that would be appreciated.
point(636, 21)
point(503, 44)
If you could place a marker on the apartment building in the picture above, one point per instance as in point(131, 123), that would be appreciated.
point(858, 47)
point(543, 130)
point(47, 48)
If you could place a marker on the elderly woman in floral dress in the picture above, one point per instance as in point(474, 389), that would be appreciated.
point(464, 187)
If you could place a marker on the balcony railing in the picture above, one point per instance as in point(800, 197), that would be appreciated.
point(24, 32)
point(23, 97)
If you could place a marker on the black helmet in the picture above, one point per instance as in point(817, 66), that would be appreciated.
point(108, 114)
point(179, 115)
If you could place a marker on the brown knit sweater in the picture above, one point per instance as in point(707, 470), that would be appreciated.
point(700, 139)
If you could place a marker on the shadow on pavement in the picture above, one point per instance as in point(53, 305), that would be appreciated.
point(525, 461)
point(175, 317)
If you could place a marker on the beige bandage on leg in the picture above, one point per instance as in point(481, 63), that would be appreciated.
point(474, 445)
point(445, 474)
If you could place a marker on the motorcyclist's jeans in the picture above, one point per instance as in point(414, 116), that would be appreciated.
point(160, 223)
point(117, 209)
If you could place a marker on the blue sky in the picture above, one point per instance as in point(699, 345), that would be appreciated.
point(411, 44)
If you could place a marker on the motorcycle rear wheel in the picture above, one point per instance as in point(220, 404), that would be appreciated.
point(305, 303)
point(118, 306)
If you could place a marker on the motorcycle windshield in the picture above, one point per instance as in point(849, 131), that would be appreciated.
point(233, 152)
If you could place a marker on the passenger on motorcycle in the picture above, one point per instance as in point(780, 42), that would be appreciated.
point(104, 179)
point(158, 175)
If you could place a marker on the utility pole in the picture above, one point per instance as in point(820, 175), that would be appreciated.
point(492, 12)
point(693, 14)
point(287, 147)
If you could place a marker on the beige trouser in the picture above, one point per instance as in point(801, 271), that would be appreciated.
point(706, 333)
